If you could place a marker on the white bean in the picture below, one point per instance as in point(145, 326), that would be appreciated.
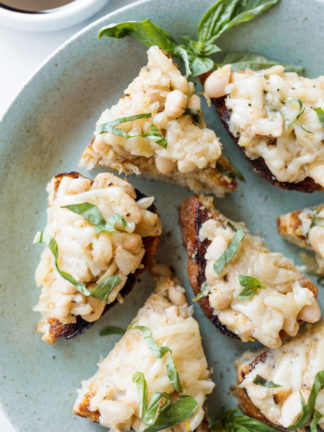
point(217, 81)
point(175, 104)
point(311, 313)
point(165, 166)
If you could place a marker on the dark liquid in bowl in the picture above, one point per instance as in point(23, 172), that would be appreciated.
point(34, 6)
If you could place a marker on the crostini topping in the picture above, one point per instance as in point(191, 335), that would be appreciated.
point(298, 367)
point(274, 297)
point(159, 352)
point(95, 231)
point(251, 286)
point(112, 393)
point(278, 115)
point(176, 140)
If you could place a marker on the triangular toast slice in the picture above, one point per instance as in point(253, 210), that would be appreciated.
point(276, 119)
point(112, 398)
point(167, 139)
point(306, 229)
point(245, 290)
point(97, 261)
point(270, 382)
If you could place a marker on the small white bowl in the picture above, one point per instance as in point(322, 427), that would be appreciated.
point(64, 16)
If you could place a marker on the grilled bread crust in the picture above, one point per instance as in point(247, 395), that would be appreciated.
point(207, 180)
point(68, 331)
point(193, 213)
point(307, 185)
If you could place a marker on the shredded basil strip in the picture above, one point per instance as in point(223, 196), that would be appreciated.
point(233, 172)
point(92, 214)
point(159, 352)
point(230, 251)
point(155, 135)
point(308, 410)
point(52, 245)
point(105, 287)
point(320, 115)
point(204, 291)
point(157, 416)
point(195, 54)
point(317, 417)
point(300, 113)
point(110, 330)
point(101, 291)
point(251, 286)
point(236, 421)
point(259, 380)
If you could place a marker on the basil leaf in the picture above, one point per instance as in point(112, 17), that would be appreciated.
point(259, 380)
point(308, 409)
point(229, 253)
point(242, 61)
point(156, 136)
point(236, 421)
point(109, 126)
point(200, 65)
point(174, 413)
point(320, 115)
point(92, 214)
point(232, 173)
point(147, 33)
point(225, 14)
point(159, 352)
point(154, 405)
point(105, 287)
point(139, 380)
point(205, 288)
point(316, 418)
point(251, 286)
point(52, 245)
point(110, 330)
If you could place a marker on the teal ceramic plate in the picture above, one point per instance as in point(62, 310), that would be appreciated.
point(44, 132)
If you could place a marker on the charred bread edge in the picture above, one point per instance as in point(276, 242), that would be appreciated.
point(68, 331)
point(308, 185)
point(192, 215)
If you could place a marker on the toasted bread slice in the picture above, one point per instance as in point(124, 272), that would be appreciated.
point(292, 367)
point(91, 257)
point(110, 397)
point(266, 313)
point(305, 228)
point(266, 116)
point(169, 140)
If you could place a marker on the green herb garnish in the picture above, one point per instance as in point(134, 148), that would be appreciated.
point(195, 54)
point(232, 172)
point(52, 245)
point(236, 421)
point(259, 380)
point(320, 115)
point(157, 416)
point(251, 286)
point(195, 115)
point(159, 352)
point(230, 251)
point(316, 418)
point(204, 291)
point(110, 330)
point(308, 410)
point(154, 135)
point(92, 214)
point(300, 113)
point(101, 291)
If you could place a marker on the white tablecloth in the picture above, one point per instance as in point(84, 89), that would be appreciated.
point(20, 54)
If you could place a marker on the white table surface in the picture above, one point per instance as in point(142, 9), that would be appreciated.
point(20, 54)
